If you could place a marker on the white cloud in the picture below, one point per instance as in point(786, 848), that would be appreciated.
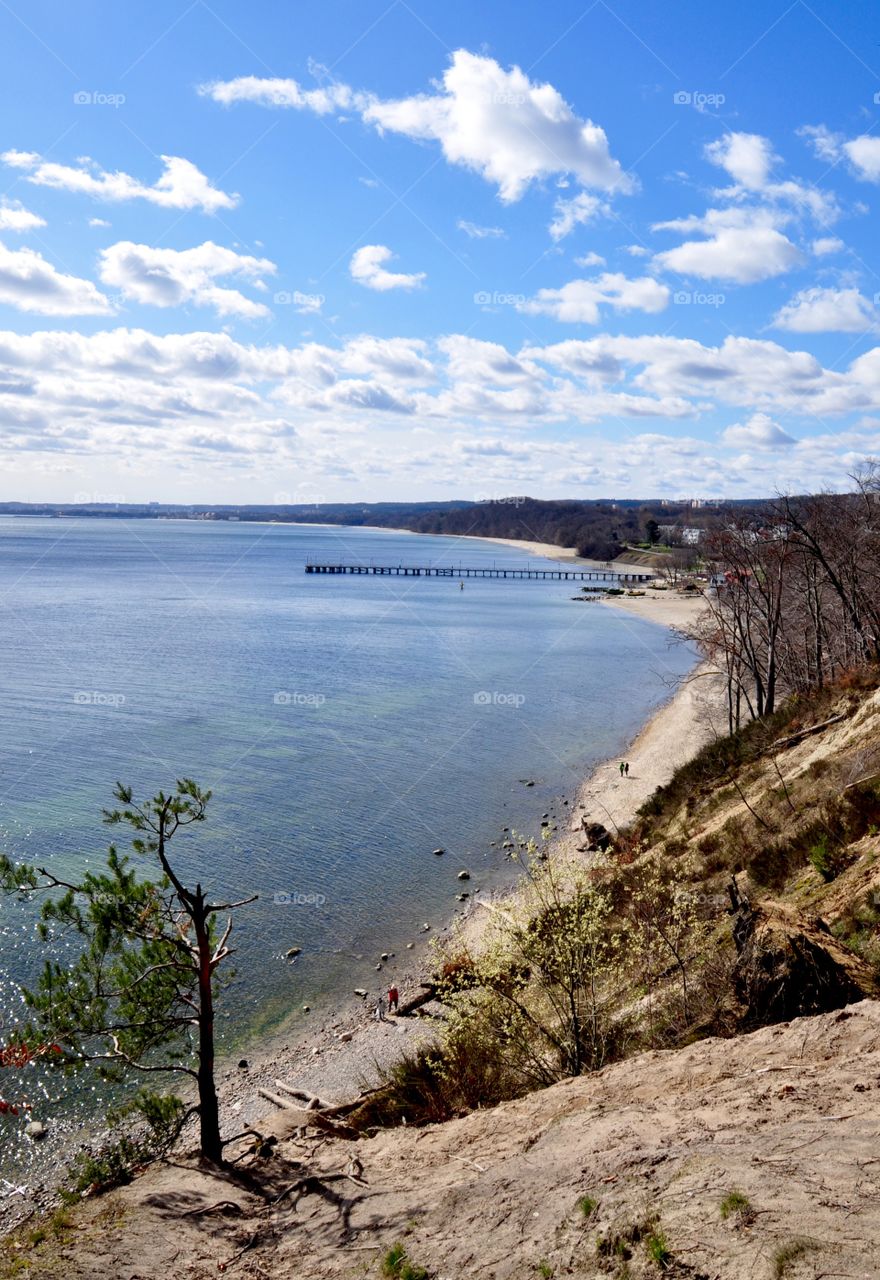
point(579, 301)
point(98, 222)
point(590, 259)
point(827, 244)
point(477, 232)
point(367, 267)
point(760, 432)
point(180, 186)
point(577, 211)
point(500, 124)
point(132, 401)
point(863, 152)
point(170, 277)
point(15, 217)
point(30, 283)
point(276, 92)
point(747, 157)
point(864, 155)
point(820, 310)
point(741, 253)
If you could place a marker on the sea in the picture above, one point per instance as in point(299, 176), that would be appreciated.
point(347, 726)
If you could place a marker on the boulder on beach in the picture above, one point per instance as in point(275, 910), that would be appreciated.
point(598, 837)
point(464, 875)
point(438, 853)
point(359, 991)
point(36, 1130)
point(294, 951)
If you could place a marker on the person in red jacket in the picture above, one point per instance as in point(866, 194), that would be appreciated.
point(393, 999)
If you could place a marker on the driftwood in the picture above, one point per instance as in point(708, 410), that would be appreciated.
point(805, 733)
point(281, 1103)
point(308, 1098)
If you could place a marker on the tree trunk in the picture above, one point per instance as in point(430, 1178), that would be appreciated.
point(209, 1110)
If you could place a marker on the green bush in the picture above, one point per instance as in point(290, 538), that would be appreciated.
point(397, 1266)
point(827, 858)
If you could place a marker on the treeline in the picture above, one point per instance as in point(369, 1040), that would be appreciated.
point(797, 598)
point(597, 529)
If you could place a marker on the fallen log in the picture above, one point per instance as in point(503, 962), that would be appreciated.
point(311, 1101)
point(281, 1103)
point(424, 997)
point(805, 733)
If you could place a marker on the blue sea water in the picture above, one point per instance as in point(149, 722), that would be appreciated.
point(346, 725)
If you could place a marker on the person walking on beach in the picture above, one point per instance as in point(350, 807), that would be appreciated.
point(379, 1011)
point(626, 768)
point(622, 767)
point(393, 999)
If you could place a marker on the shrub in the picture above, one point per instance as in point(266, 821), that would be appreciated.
point(397, 1266)
point(827, 858)
point(657, 1249)
point(736, 1203)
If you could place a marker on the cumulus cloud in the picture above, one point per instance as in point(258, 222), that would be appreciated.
point(30, 283)
point(740, 245)
point(863, 152)
point(759, 432)
point(745, 240)
point(579, 301)
point(821, 310)
point(590, 259)
point(171, 277)
point(511, 130)
point(749, 159)
point(367, 267)
point(477, 232)
point(203, 399)
point(180, 186)
point(15, 217)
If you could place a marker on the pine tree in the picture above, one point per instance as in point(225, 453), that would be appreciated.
point(139, 997)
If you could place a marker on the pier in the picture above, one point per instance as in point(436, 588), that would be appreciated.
point(489, 571)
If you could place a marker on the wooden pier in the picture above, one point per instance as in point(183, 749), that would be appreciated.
point(490, 571)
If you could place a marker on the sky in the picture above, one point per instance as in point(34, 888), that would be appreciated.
point(287, 252)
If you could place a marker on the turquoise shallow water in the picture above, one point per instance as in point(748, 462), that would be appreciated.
point(347, 725)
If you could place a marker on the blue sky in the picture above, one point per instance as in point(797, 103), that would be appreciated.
point(287, 252)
